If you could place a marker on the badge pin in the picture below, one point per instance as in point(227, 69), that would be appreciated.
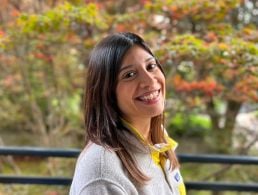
point(177, 177)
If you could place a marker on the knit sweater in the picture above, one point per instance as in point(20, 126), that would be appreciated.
point(99, 171)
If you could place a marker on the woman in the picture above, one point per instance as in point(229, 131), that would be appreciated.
point(128, 151)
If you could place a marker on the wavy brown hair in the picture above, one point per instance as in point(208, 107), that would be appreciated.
point(102, 115)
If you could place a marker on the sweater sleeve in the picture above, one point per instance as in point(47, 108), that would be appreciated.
point(103, 187)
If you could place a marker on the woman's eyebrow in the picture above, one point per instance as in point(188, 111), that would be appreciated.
point(129, 66)
point(149, 59)
point(125, 67)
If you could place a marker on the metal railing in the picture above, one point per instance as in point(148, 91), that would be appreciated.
point(184, 158)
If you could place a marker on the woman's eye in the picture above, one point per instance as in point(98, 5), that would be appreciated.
point(152, 66)
point(128, 75)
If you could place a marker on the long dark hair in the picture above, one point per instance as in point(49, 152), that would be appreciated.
point(102, 115)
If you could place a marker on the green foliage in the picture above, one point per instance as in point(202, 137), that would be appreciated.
point(228, 63)
point(64, 16)
point(44, 88)
point(189, 125)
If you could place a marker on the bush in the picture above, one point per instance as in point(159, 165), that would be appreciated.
point(192, 125)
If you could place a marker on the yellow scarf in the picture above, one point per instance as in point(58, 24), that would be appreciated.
point(156, 149)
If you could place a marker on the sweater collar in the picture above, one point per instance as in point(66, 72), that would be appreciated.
point(156, 149)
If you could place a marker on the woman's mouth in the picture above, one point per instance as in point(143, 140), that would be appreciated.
point(151, 96)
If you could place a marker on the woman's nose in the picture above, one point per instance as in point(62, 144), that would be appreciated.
point(147, 79)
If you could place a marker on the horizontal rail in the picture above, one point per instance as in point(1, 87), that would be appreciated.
point(219, 186)
point(184, 158)
point(42, 152)
point(35, 180)
point(215, 158)
point(214, 186)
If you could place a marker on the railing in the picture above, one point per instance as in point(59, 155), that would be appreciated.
point(184, 158)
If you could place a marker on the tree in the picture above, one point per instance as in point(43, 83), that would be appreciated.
point(209, 57)
point(45, 88)
point(207, 49)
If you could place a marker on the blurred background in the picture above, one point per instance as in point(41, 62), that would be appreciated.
point(208, 49)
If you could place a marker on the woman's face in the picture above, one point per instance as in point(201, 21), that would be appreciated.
point(141, 86)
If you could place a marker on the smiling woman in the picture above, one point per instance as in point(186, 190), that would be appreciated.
point(127, 149)
point(140, 89)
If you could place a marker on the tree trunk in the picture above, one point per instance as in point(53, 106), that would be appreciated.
point(222, 135)
point(37, 115)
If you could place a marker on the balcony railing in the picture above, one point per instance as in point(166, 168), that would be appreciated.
point(184, 158)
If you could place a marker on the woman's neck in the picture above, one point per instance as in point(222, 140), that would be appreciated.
point(142, 126)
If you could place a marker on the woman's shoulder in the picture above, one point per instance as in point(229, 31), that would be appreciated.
point(96, 165)
point(96, 159)
point(98, 162)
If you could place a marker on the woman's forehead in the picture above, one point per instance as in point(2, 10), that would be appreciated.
point(136, 54)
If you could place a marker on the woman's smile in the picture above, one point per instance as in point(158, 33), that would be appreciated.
point(149, 97)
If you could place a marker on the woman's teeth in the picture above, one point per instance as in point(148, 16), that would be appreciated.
point(151, 96)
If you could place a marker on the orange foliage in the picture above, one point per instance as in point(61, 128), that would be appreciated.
point(8, 81)
point(144, 2)
point(15, 13)
point(173, 8)
point(211, 37)
point(120, 28)
point(42, 56)
point(223, 46)
point(247, 88)
point(209, 87)
point(99, 6)
point(11, 80)
point(2, 33)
